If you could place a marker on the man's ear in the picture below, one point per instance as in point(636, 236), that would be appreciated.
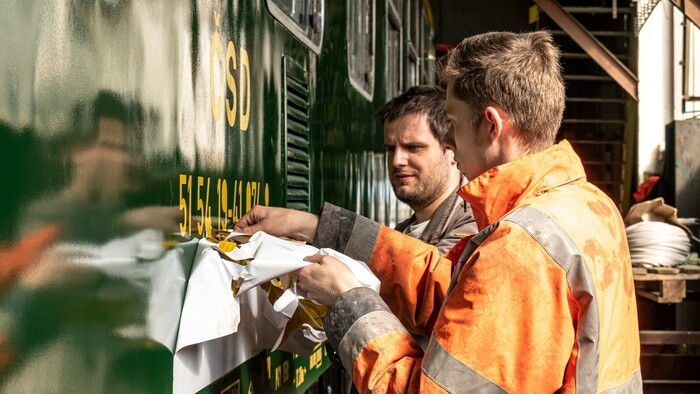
point(495, 122)
point(450, 155)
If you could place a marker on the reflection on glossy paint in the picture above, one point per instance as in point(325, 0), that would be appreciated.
point(97, 211)
point(105, 108)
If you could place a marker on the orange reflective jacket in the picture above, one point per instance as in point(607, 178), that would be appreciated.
point(540, 300)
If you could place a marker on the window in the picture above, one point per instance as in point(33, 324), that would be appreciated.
point(393, 49)
point(413, 21)
point(304, 18)
point(398, 6)
point(412, 41)
point(412, 77)
point(691, 63)
point(361, 46)
point(427, 52)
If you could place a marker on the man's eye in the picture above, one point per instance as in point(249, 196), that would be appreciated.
point(414, 148)
point(390, 148)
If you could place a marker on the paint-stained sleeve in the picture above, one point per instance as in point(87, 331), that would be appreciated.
point(346, 232)
point(413, 274)
point(414, 278)
point(358, 326)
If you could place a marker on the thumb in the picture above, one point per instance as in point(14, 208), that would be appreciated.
point(314, 259)
point(242, 226)
point(245, 230)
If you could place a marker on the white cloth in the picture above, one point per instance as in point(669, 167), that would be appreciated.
point(213, 319)
point(193, 312)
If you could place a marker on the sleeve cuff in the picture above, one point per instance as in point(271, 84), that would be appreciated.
point(357, 317)
point(346, 232)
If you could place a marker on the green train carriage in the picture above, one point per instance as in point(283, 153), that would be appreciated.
point(121, 118)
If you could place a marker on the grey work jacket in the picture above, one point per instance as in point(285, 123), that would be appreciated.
point(452, 220)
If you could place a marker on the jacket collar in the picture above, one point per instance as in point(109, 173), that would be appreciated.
point(438, 221)
point(495, 192)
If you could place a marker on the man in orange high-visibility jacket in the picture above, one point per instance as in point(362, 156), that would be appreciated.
point(540, 300)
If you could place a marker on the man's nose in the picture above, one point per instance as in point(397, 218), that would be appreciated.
point(400, 157)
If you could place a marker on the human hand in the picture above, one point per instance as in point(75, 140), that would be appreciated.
point(325, 280)
point(280, 222)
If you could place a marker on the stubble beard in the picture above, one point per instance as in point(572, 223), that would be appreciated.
point(426, 190)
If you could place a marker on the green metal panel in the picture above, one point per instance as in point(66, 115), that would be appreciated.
point(296, 133)
point(128, 128)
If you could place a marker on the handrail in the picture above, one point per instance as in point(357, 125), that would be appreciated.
point(594, 48)
point(690, 8)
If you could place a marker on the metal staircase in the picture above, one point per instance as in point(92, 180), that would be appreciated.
point(598, 51)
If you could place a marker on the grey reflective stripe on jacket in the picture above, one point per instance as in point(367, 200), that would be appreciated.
point(453, 375)
point(358, 316)
point(633, 385)
point(560, 247)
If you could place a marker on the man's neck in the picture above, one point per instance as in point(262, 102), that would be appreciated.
point(427, 212)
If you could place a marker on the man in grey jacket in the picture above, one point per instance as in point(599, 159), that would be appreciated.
point(422, 170)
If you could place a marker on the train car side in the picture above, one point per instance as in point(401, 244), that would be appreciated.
point(131, 129)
